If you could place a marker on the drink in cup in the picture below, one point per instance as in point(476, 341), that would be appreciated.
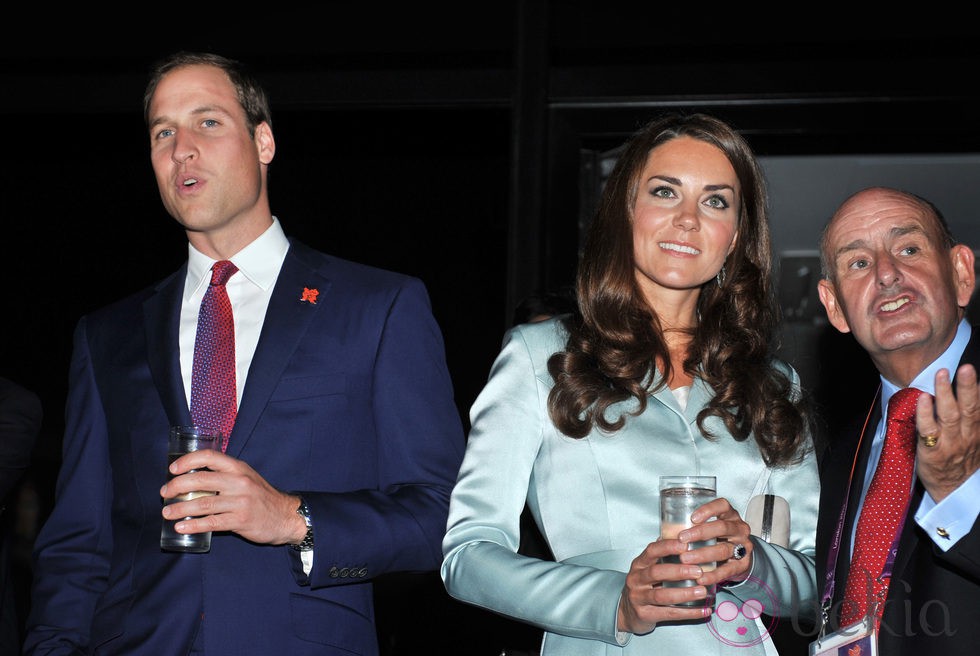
point(679, 497)
point(185, 439)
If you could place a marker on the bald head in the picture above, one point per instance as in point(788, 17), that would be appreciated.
point(883, 201)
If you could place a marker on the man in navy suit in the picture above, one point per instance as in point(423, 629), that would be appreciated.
point(345, 448)
point(896, 279)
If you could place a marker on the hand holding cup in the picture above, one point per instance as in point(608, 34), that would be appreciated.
point(183, 440)
point(679, 497)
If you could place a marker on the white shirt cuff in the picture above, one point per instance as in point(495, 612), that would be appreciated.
point(953, 517)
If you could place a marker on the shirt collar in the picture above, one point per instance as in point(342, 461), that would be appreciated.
point(926, 380)
point(259, 262)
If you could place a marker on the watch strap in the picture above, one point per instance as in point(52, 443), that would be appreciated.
point(304, 511)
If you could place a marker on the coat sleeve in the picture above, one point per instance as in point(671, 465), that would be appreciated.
point(71, 552)
point(787, 575)
point(398, 525)
point(481, 564)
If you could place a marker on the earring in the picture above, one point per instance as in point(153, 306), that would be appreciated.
point(720, 277)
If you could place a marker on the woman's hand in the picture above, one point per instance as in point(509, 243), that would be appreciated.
point(645, 601)
point(730, 531)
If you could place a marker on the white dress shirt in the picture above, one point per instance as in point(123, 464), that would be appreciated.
point(249, 291)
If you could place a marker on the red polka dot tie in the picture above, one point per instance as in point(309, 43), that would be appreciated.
point(213, 392)
point(884, 507)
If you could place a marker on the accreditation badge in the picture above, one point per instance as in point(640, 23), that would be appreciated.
point(858, 639)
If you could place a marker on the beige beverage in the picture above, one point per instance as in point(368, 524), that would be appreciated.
point(183, 440)
point(679, 497)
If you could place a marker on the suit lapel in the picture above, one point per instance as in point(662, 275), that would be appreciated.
point(161, 318)
point(697, 399)
point(286, 322)
point(864, 439)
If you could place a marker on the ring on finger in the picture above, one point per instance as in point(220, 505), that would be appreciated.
point(929, 440)
point(738, 551)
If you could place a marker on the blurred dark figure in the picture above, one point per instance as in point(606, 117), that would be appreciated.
point(20, 424)
point(543, 305)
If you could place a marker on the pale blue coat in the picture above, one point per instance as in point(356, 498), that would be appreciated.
point(595, 500)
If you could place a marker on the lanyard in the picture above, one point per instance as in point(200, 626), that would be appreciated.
point(828, 592)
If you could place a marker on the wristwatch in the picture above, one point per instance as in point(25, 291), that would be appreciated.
point(304, 512)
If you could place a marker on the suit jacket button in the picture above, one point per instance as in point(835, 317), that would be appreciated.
point(333, 572)
point(361, 573)
point(345, 572)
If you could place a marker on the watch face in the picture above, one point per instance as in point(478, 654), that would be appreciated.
point(304, 512)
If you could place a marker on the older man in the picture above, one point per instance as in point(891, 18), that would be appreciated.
point(898, 551)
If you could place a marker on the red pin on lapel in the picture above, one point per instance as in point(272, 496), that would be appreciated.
point(309, 295)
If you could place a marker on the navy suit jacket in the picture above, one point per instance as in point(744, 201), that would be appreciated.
point(933, 596)
point(348, 401)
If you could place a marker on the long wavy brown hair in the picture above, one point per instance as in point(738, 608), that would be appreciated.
point(616, 339)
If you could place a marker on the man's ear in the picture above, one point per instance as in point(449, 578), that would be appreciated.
point(828, 297)
point(265, 142)
point(965, 276)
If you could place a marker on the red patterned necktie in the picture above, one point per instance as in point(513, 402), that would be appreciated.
point(213, 392)
point(884, 507)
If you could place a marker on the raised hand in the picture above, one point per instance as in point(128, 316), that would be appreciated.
point(951, 423)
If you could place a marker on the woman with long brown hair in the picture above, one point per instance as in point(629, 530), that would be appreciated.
point(666, 368)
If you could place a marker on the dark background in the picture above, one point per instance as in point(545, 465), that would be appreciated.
point(457, 142)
